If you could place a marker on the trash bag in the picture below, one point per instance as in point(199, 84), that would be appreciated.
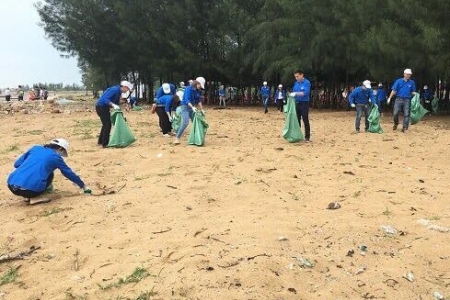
point(435, 104)
point(199, 128)
point(291, 131)
point(176, 121)
point(122, 135)
point(417, 110)
point(374, 120)
point(137, 108)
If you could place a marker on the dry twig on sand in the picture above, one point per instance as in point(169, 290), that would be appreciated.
point(20, 255)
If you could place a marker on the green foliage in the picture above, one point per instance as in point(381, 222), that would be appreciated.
point(135, 277)
point(9, 276)
point(243, 42)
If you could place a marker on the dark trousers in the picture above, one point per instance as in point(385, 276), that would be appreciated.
point(302, 109)
point(8, 98)
point(164, 122)
point(27, 193)
point(280, 103)
point(105, 117)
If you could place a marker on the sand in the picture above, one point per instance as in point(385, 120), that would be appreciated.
point(244, 217)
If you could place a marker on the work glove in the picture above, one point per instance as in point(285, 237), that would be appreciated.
point(116, 107)
point(388, 101)
point(170, 119)
point(87, 190)
point(370, 101)
point(203, 112)
point(292, 94)
point(353, 105)
point(194, 109)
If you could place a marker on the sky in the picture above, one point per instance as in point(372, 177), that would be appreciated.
point(27, 56)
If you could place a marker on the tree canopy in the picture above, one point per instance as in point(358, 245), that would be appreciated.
point(243, 42)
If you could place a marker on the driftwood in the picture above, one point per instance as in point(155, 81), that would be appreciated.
point(20, 255)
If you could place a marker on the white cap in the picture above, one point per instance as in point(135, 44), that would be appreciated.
point(367, 84)
point(127, 84)
point(62, 143)
point(380, 84)
point(202, 81)
point(166, 88)
point(425, 87)
point(265, 83)
point(182, 83)
point(407, 71)
point(280, 85)
point(191, 81)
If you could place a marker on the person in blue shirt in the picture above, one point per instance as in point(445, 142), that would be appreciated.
point(280, 97)
point(33, 175)
point(191, 98)
point(427, 97)
point(222, 96)
point(404, 88)
point(265, 95)
point(360, 98)
point(301, 92)
point(381, 97)
point(109, 99)
point(164, 106)
point(166, 89)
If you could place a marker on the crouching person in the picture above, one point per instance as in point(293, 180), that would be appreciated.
point(33, 175)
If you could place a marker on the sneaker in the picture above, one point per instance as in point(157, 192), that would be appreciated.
point(176, 142)
point(404, 129)
point(307, 141)
point(357, 130)
point(166, 135)
point(395, 127)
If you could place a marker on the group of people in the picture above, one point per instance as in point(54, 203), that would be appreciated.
point(34, 93)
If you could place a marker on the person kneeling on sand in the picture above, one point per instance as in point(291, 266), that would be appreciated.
point(33, 175)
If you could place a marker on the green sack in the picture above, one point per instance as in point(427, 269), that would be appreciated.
point(417, 111)
point(291, 131)
point(176, 121)
point(122, 135)
point(199, 128)
point(435, 104)
point(374, 120)
point(137, 108)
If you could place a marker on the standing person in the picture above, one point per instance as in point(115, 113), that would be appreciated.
point(191, 98)
point(45, 93)
point(21, 93)
point(33, 175)
point(166, 89)
point(222, 96)
point(404, 88)
point(280, 97)
point(427, 96)
point(265, 94)
point(164, 106)
point(301, 91)
point(109, 99)
point(360, 98)
point(8, 94)
point(381, 97)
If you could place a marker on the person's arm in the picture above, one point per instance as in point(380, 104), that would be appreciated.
point(372, 97)
point(351, 98)
point(168, 107)
point(413, 89)
point(21, 159)
point(69, 174)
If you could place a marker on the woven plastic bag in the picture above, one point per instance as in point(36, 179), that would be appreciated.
point(176, 121)
point(122, 135)
point(417, 110)
point(199, 128)
point(291, 131)
point(435, 104)
point(374, 120)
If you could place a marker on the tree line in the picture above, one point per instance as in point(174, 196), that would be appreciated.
point(243, 42)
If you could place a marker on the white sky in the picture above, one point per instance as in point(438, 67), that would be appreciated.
point(26, 56)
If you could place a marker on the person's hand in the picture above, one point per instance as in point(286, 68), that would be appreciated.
point(388, 100)
point(194, 109)
point(203, 112)
point(170, 119)
point(370, 101)
point(116, 107)
point(87, 190)
point(353, 105)
point(292, 94)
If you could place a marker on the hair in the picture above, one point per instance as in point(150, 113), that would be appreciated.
point(176, 101)
point(55, 147)
point(299, 71)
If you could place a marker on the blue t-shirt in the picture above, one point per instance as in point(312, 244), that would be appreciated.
point(191, 95)
point(111, 95)
point(265, 91)
point(165, 100)
point(34, 167)
point(404, 89)
point(302, 86)
point(361, 96)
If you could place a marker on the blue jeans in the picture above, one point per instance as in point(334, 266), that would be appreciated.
point(360, 108)
point(402, 104)
point(265, 100)
point(186, 114)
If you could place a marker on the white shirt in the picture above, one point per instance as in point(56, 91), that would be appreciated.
point(280, 95)
point(7, 92)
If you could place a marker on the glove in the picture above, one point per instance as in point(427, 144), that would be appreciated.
point(353, 105)
point(170, 119)
point(87, 190)
point(292, 94)
point(116, 107)
point(388, 101)
point(370, 101)
point(203, 112)
point(194, 109)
